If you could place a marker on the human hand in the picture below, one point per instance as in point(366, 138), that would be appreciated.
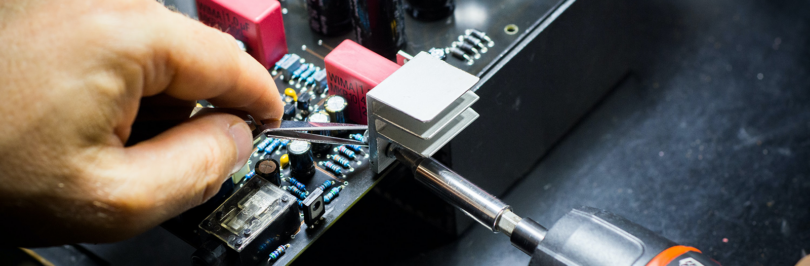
point(74, 74)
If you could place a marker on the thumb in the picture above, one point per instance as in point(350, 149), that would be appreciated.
point(185, 165)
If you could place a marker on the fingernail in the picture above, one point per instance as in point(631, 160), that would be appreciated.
point(244, 144)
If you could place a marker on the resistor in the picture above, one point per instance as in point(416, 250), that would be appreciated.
point(297, 184)
point(475, 42)
point(355, 148)
point(358, 137)
point(300, 204)
point(332, 194)
point(298, 193)
point(481, 36)
point(331, 166)
point(283, 143)
point(327, 184)
point(272, 147)
point(279, 251)
point(263, 144)
point(345, 151)
point(305, 75)
point(250, 174)
point(458, 53)
point(297, 75)
point(298, 72)
point(340, 160)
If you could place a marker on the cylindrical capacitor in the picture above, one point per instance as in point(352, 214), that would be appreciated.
point(329, 17)
point(320, 117)
point(335, 106)
point(379, 25)
point(289, 112)
point(429, 10)
point(301, 163)
point(269, 169)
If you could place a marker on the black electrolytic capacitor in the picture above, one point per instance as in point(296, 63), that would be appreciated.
point(429, 10)
point(329, 17)
point(289, 111)
point(269, 170)
point(379, 25)
point(302, 165)
point(320, 117)
point(335, 106)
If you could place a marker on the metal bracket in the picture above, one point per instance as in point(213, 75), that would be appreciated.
point(420, 107)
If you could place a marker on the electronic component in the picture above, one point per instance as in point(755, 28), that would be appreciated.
point(295, 191)
point(277, 65)
point(481, 36)
point(339, 160)
point(272, 146)
point(256, 23)
point(250, 174)
point(352, 71)
point(313, 207)
point(291, 92)
point(430, 10)
point(287, 66)
point(289, 112)
point(329, 18)
point(467, 49)
point(379, 26)
point(295, 74)
point(346, 151)
point(269, 169)
point(335, 106)
point(473, 41)
point(303, 103)
point(263, 145)
point(354, 148)
point(320, 117)
point(358, 137)
point(458, 53)
point(326, 185)
point(279, 251)
point(332, 167)
point(302, 165)
point(317, 81)
point(305, 75)
point(297, 184)
point(284, 160)
point(257, 210)
point(334, 192)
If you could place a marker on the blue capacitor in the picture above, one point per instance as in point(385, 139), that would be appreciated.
point(279, 251)
point(334, 167)
point(297, 184)
point(295, 191)
point(340, 160)
point(327, 184)
point(345, 151)
point(332, 194)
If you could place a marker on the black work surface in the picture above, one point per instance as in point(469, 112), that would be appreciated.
point(708, 144)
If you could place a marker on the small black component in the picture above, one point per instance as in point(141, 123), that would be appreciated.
point(467, 48)
point(320, 117)
point(302, 165)
point(480, 35)
point(303, 103)
point(473, 41)
point(269, 169)
point(329, 17)
point(458, 53)
point(289, 112)
point(313, 207)
point(430, 10)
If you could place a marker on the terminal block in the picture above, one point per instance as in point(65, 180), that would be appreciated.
point(420, 107)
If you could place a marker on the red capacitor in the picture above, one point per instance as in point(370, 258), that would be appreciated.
point(257, 23)
point(352, 71)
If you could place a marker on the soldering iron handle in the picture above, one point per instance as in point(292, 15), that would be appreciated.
point(590, 236)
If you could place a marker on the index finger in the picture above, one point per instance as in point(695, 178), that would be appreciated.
point(206, 63)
